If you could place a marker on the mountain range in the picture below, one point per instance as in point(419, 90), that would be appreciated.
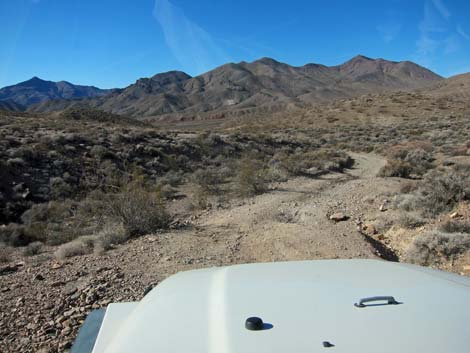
point(233, 87)
point(35, 90)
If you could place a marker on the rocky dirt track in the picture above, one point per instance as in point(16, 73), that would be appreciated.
point(44, 302)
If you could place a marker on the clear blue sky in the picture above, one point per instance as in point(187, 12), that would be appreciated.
point(111, 43)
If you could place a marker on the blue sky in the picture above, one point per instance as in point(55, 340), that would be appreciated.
point(111, 43)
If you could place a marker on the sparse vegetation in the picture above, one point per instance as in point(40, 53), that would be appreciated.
point(434, 247)
point(439, 191)
point(452, 226)
point(111, 234)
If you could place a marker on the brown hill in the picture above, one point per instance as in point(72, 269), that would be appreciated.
point(260, 84)
point(455, 87)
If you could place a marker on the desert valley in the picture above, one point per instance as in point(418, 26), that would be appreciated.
point(105, 193)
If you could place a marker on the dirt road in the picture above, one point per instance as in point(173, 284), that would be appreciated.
point(45, 302)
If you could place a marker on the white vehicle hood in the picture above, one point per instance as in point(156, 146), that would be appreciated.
point(303, 304)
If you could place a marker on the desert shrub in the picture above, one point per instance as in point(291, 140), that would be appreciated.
point(16, 162)
point(441, 190)
point(251, 177)
point(455, 227)
point(165, 191)
point(407, 160)
point(410, 221)
point(208, 180)
point(433, 247)
point(171, 178)
point(139, 210)
point(80, 246)
point(106, 177)
point(59, 188)
point(14, 235)
point(58, 222)
point(5, 253)
point(33, 248)
point(276, 174)
point(41, 219)
point(111, 234)
point(86, 113)
point(408, 187)
point(200, 198)
point(101, 152)
point(395, 168)
point(420, 161)
point(315, 162)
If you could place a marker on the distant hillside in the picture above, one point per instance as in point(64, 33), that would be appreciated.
point(455, 87)
point(35, 91)
point(10, 105)
point(263, 83)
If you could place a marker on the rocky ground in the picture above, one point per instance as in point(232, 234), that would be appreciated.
point(45, 301)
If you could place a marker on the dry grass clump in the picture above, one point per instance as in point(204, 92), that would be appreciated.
point(111, 234)
point(80, 246)
point(434, 247)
